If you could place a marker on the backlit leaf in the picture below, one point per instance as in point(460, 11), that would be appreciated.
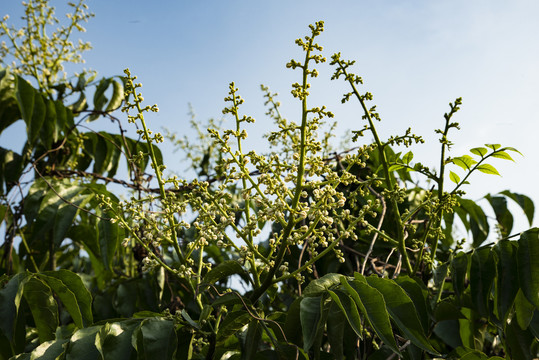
point(502, 155)
point(479, 151)
point(488, 169)
point(454, 177)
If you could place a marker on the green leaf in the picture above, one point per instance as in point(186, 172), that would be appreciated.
point(528, 264)
point(310, 314)
point(482, 274)
point(9, 108)
point(407, 158)
point(479, 151)
point(81, 345)
point(10, 300)
point(319, 286)
point(252, 339)
point(117, 96)
point(99, 96)
point(507, 277)
point(418, 293)
point(477, 224)
point(113, 341)
point(43, 307)
point(371, 303)
point(488, 169)
point(525, 203)
point(336, 325)
point(395, 167)
point(26, 98)
point(466, 161)
point(348, 308)
point(402, 311)
point(159, 338)
point(519, 342)
point(454, 177)
point(512, 149)
point(107, 234)
point(73, 294)
point(493, 146)
point(232, 323)
point(459, 268)
point(224, 270)
point(503, 215)
point(523, 310)
point(502, 155)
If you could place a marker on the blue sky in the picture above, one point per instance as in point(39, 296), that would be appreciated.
point(415, 57)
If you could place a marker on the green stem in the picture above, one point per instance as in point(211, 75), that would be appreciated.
point(268, 281)
point(389, 181)
point(157, 170)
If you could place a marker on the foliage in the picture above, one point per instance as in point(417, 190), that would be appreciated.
point(343, 255)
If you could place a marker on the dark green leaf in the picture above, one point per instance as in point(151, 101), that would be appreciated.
point(224, 270)
point(524, 310)
point(348, 309)
point(418, 293)
point(503, 215)
point(252, 339)
point(371, 303)
point(319, 286)
point(81, 346)
point(459, 268)
point(482, 274)
point(310, 314)
point(525, 203)
point(507, 278)
point(10, 300)
point(233, 322)
point(80, 303)
point(159, 338)
point(402, 311)
point(528, 265)
point(519, 342)
point(113, 340)
point(478, 223)
point(336, 325)
point(43, 307)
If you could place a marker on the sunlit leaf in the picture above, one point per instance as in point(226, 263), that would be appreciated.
point(466, 162)
point(479, 151)
point(502, 155)
point(488, 169)
point(493, 146)
point(454, 177)
point(407, 158)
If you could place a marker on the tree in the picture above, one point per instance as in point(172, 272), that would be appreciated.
point(340, 254)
